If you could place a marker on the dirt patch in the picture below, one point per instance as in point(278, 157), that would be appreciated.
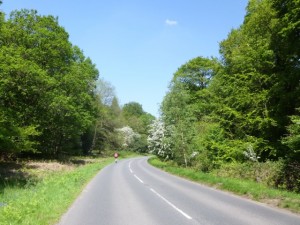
point(24, 171)
point(271, 202)
point(12, 170)
point(49, 166)
point(82, 161)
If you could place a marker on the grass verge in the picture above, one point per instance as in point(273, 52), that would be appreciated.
point(249, 189)
point(46, 198)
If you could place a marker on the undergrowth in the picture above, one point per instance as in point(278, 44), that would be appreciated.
point(248, 188)
point(43, 200)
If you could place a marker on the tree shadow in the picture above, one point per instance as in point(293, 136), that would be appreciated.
point(12, 175)
point(78, 161)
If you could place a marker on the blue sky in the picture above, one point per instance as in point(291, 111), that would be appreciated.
point(138, 45)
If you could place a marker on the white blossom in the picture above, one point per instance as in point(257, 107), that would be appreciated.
point(194, 154)
point(250, 154)
point(128, 135)
point(158, 139)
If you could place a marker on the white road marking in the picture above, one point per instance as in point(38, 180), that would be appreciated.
point(140, 180)
point(160, 196)
point(169, 203)
point(130, 168)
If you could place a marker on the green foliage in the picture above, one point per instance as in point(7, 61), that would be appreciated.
point(45, 200)
point(196, 73)
point(185, 104)
point(212, 147)
point(266, 173)
point(179, 118)
point(52, 101)
point(112, 120)
point(103, 132)
point(140, 144)
point(251, 189)
point(245, 103)
point(47, 86)
point(293, 139)
point(289, 176)
point(288, 27)
point(246, 83)
point(135, 118)
point(132, 109)
point(286, 44)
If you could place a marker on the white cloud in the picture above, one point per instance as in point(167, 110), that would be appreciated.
point(171, 22)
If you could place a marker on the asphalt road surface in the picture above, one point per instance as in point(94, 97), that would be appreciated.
point(131, 192)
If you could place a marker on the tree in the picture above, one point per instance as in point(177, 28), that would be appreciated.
point(128, 136)
point(48, 85)
point(196, 73)
point(245, 86)
point(23, 90)
point(106, 91)
point(186, 103)
point(135, 117)
point(115, 107)
point(132, 109)
point(292, 140)
point(243, 105)
point(159, 141)
point(286, 45)
point(178, 114)
point(287, 37)
point(108, 119)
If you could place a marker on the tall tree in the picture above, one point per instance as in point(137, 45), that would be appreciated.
point(159, 141)
point(292, 140)
point(108, 119)
point(132, 112)
point(133, 109)
point(138, 120)
point(177, 114)
point(106, 91)
point(186, 103)
point(115, 107)
point(196, 73)
point(246, 83)
point(48, 85)
point(286, 45)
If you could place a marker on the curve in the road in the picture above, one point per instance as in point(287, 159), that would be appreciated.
point(131, 192)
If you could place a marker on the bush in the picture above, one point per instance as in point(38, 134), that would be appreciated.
point(262, 172)
point(289, 178)
point(202, 162)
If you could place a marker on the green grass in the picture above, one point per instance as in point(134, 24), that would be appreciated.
point(249, 189)
point(41, 196)
point(45, 200)
point(128, 154)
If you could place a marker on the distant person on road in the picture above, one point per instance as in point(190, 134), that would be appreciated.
point(116, 155)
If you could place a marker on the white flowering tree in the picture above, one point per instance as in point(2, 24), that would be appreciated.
point(250, 154)
point(128, 136)
point(159, 139)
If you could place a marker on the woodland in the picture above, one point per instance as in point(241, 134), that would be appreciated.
point(53, 101)
point(237, 115)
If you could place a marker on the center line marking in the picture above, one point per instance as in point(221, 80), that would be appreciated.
point(130, 168)
point(140, 180)
point(169, 203)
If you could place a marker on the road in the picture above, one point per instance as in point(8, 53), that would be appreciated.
point(131, 192)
